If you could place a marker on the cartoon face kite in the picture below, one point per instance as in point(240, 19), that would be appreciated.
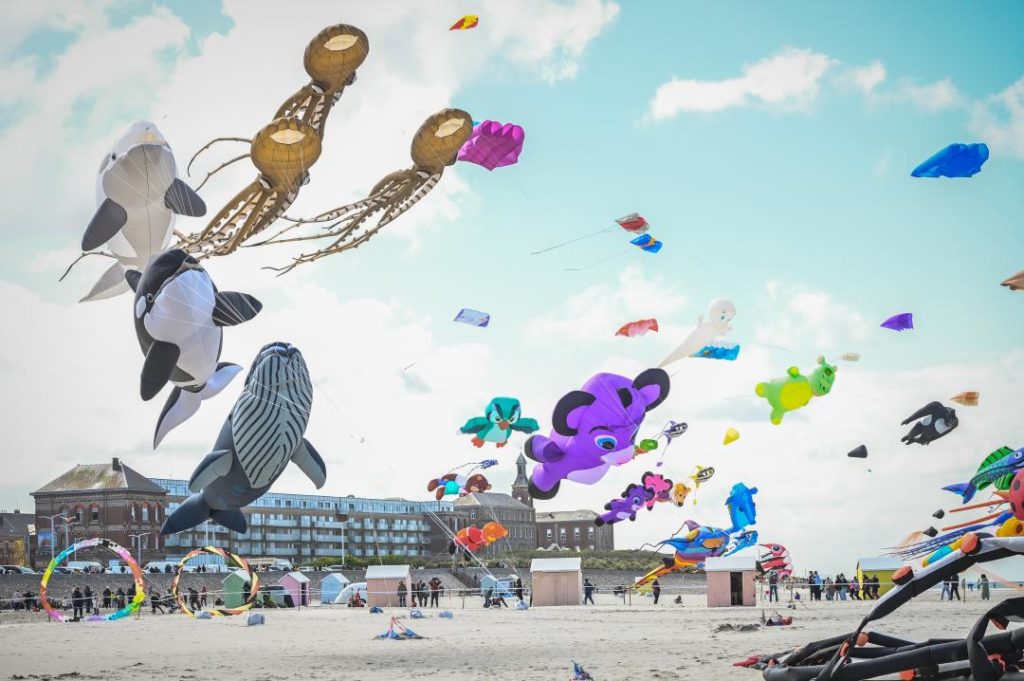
point(934, 420)
point(502, 416)
point(796, 390)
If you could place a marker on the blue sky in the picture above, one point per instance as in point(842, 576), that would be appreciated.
point(797, 206)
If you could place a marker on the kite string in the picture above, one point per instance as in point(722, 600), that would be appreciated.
point(572, 241)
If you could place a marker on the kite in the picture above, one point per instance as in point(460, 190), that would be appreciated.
point(131, 607)
point(968, 398)
point(899, 322)
point(710, 326)
point(648, 243)
point(473, 317)
point(502, 416)
point(727, 352)
point(936, 420)
point(493, 145)
point(471, 539)
point(398, 632)
point(699, 477)
point(139, 195)
point(634, 222)
point(1016, 282)
point(776, 560)
point(179, 321)
point(679, 493)
point(731, 435)
point(465, 23)
point(956, 160)
point(625, 508)
point(850, 356)
point(593, 429)
point(579, 673)
point(434, 147)
point(940, 514)
point(452, 484)
point(796, 390)
point(252, 579)
point(637, 328)
point(284, 150)
point(670, 431)
point(997, 469)
point(858, 452)
point(742, 510)
point(259, 437)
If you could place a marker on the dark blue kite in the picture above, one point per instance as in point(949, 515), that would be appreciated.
point(956, 160)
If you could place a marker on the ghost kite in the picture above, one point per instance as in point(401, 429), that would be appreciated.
point(956, 160)
point(637, 328)
point(465, 23)
point(711, 325)
point(493, 145)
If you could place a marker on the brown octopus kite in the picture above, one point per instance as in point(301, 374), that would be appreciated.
point(285, 150)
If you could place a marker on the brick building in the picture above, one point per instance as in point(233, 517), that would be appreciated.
point(573, 530)
point(108, 500)
point(17, 533)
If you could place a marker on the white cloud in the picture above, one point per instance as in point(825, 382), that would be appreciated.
point(866, 78)
point(798, 316)
point(931, 97)
point(999, 120)
point(789, 79)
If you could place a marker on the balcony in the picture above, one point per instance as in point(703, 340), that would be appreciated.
point(331, 524)
point(280, 523)
point(330, 552)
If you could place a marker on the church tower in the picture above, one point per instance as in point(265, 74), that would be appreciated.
point(520, 486)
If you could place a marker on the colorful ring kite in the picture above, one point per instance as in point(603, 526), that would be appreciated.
point(140, 585)
point(254, 580)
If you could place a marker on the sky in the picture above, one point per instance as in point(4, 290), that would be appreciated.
point(769, 146)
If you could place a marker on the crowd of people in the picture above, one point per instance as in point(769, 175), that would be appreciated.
point(420, 594)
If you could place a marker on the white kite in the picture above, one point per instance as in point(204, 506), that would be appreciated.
point(720, 313)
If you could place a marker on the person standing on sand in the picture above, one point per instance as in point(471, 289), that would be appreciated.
point(954, 587)
point(519, 587)
point(656, 590)
point(435, 591)
point(401, 594)
point(773, 586)
point(588, 592)
point(983, 583)
point(202, 597)
point(155, 603)
point(76, 604)
point(945, 589)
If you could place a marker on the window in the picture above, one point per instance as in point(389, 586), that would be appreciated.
point(590, 532)
point(145, 514)
point(576, 534)
point(95, 514)
point(549, 534)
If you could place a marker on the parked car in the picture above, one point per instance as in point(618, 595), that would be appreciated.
point(16, 570)
point(347, 592)
point(334, 568)
point(85, 566)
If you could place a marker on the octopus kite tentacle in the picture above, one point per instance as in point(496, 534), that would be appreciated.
point(435, 146)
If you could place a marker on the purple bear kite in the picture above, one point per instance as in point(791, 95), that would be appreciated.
point(593, 429)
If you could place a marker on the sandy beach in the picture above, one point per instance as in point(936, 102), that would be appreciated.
point(615, 642)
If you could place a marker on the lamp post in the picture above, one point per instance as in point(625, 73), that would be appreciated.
point(137, 538)
point(52, 538)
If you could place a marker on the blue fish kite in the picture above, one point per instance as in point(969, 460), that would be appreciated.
point(473, 317)
point(726, 352)
point(956, 160)
point(999, 464)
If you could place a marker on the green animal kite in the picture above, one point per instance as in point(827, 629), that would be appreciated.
point(796, 390)
point(502, 416)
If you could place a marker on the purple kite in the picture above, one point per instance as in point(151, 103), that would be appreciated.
point(493, 145)
point(899, 322)
point(473, 317)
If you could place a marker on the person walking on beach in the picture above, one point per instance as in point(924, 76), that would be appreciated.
point(202, 597)
point(155, 603)
point(107, 596)
point(656, 590)
point(954, 587)
point(435, 591)
point(841, 587)
point(855, 589)
point(519, 587)
point(773, 586)
point(76, 604)
point(401, 594)
point(983, 584)
point(588, 592)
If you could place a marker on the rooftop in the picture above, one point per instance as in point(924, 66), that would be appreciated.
point(16, 524)
point(494, 499)
point(556, 564)
point(101, 477)
point(729, 564)
point(387, 572)
point(565, 516)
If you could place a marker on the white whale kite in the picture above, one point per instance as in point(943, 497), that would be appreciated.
point(138, 194)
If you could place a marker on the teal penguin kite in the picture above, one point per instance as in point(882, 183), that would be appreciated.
point(502, 416)
point(796, 390)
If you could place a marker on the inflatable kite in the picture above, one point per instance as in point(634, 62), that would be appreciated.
point(858, 452)
point(284, 150)
point(502, 416)
point(471, 539)
point(796, 390)
point(679, 493)
point(434, 148)
point(465, 23)
point(453, 484)
point(998, 470)
point(727, 352)
point(776, 560)
point(936, 420)
point(637, 328)
point(968, 398)
point(179, 321)
point(258, 439)
point(899, 322)
point(398, 632)
point(493, 145)
point(625, 508)
point(699, 477)
point(473, 317)
point(130, 607)
point(731, 435)
point(1016, 282)
point(742, 510)
point(579, 673)
point(138, 194)
point(956, 160)
point(593, 429)
point(670, 431)
point(231, 559)
point(850, 356)
point(710, 326)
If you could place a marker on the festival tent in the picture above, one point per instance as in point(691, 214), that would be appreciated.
point(556, 581)
point(881, 567)
point(296, 584)
point(382, 584)
point(236, 588)
point(331, 586)
point(730, 580)
point(500, 586)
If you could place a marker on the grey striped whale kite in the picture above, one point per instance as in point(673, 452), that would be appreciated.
point(138, 194)
point(258, 439)
point(179, 320)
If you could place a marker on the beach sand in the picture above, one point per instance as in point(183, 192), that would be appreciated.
point(612, 640)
